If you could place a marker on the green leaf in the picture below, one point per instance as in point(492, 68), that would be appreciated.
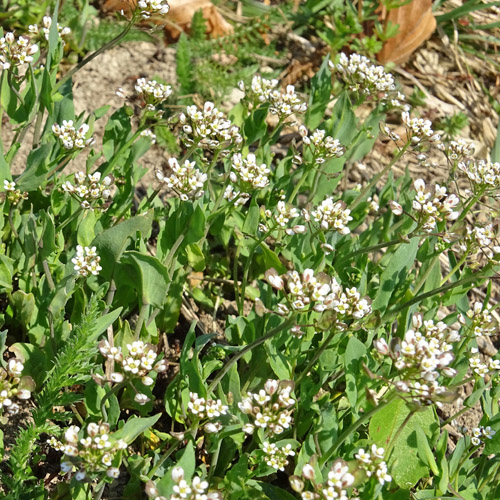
point(37, 167)
point(184, 66)
point(252, 219)
point(396, 272)
point(196, 257)
point(86, 228)
point(354, 353)
point(342, 125)
point(101, 324)
point(112, 242)
point(24, 305)
point(196, 226)
point(6, 273)
point(153, 275)
point(320, 96)
point(134, 427)
point(405, 466)
point(255, 125)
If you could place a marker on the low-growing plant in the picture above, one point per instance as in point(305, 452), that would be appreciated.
point(351, 312)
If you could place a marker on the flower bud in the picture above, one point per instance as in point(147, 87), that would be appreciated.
point(308, 472)
point(71, 434)
point(296, 483)
point(271, 386)
point(177, 474)
point(116, 377)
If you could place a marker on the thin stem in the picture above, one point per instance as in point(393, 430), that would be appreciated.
point(353, 427)
point(163, 458)
point(110, 296)
point(101, 50)
point(170, 256)
point(316, 356)
point(246, 269)
point(13, 88)
point(246, 349)
point(153, 195)
point(140, 320)
point(112, 391)
point(404, 423)
point(464, 281)
point(364, 192)
point(455, 269)
point(379, 246)
point(297, 187)
point(48, 275)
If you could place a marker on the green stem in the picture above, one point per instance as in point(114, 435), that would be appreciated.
point(404, 423)
point(455, 269)
point(112, 391)
point(70, 219)
point(171, 254)
point(140, 320)
point(297, 187)
point(366, 191)
point(246, 349)
point(464, 281)
point(246, 269)
point(98, 52)
point(379, 246)
point(353, 427)
point(163, 458)
point(315, 358)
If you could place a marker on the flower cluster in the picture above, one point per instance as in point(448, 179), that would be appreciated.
point(206, 409)
point(483, 176)
point(364, 77)
point(335, 487)
point(418, 130)
point(139, 363)
point(71, 137)
point(150, 8)
point(16, 52)
point(91, 453)
point(235, 196)
point(424, 353)
point(247, 173)
point(333, 215)
point(89, 190)
point(150, 134)
point(433, 207)
point(480, 368)
point(480, 243)
point(281, 104)
point(208, 127)
point(481, 320)
point(44, 30)
point(373, 463)
point(12, 385)
point(322, 146)
point(184, 490)
point(186, 180)
point(480, 434)
point(86, 261)
point(322, 292)
point(282, 216)
point(271, 408)
point(276, 457)
point(152, 92)
point(457, 150)
point(14, 195)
